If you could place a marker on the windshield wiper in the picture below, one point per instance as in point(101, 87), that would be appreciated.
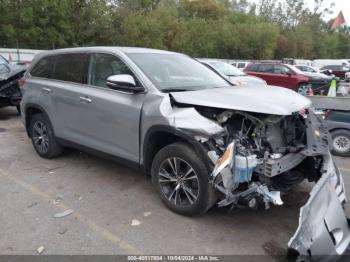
point(168, 90)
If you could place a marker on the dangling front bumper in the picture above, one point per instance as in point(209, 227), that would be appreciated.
point(323, 232)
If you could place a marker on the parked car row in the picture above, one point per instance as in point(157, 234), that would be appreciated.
point(288, 76)
point(334, 67)
point(233, 74)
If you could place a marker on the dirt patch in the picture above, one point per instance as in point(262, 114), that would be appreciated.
point(295, 199)
point(275, 250)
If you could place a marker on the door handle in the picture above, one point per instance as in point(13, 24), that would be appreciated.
point(85, 99)
point(47, 90)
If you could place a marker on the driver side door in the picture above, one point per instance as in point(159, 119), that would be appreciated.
point(110, 118)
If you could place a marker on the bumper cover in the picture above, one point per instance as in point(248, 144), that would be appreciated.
point(323, 232)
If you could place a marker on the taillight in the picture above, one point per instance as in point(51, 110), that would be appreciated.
point(21, 82)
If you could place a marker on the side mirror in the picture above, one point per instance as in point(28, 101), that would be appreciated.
point(124, 83)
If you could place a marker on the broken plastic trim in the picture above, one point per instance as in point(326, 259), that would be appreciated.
point(323, 230)
point(188, 119)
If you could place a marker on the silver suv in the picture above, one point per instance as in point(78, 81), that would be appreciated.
point(202, 140)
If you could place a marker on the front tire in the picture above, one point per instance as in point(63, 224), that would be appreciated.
point(43, 138)
point(182, 180)
point(302, 89)
point(341, 142)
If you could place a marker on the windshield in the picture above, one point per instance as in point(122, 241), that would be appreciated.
point(307, 69)
point(226, 69)
point(296, 70)
point(176, 72)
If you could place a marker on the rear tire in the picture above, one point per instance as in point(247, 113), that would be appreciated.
point(43, 138)
point(341, 142)
point(182, 180)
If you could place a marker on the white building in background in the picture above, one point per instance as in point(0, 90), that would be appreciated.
point(14, 55)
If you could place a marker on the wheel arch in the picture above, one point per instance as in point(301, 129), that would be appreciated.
point(339, 128)
point(30, 111)
point(301, 83)
point(158, 137)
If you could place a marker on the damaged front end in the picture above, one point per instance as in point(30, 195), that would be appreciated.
point(299, 150)
point(256, 157)
point(10, 94)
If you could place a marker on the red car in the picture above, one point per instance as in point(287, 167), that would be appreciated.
point(278, 74)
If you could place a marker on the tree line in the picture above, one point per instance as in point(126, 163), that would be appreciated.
point(235, 29)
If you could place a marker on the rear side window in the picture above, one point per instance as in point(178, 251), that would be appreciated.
point(281, 70)
point(262, 68)
point(44, 67)
point(71, 67)
point(254, 68)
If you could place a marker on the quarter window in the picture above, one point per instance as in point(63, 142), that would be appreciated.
point(104, 65)
point(44, 67)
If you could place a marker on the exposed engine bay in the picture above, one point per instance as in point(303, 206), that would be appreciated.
point(258, 155)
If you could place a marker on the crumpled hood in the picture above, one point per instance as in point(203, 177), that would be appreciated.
point(259, 99)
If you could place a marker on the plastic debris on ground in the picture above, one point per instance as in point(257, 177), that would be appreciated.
point(64, 213)
point(62, 231)
point(40, 249)
point(135, 222)
point(147, 214)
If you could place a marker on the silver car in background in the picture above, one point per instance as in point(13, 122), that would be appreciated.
point(202, 140)
point(233, 74)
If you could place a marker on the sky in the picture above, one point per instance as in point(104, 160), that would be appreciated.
point(339, 5)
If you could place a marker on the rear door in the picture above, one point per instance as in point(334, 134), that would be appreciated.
point(69, 75)
point(38, 84)
point(109, 119)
